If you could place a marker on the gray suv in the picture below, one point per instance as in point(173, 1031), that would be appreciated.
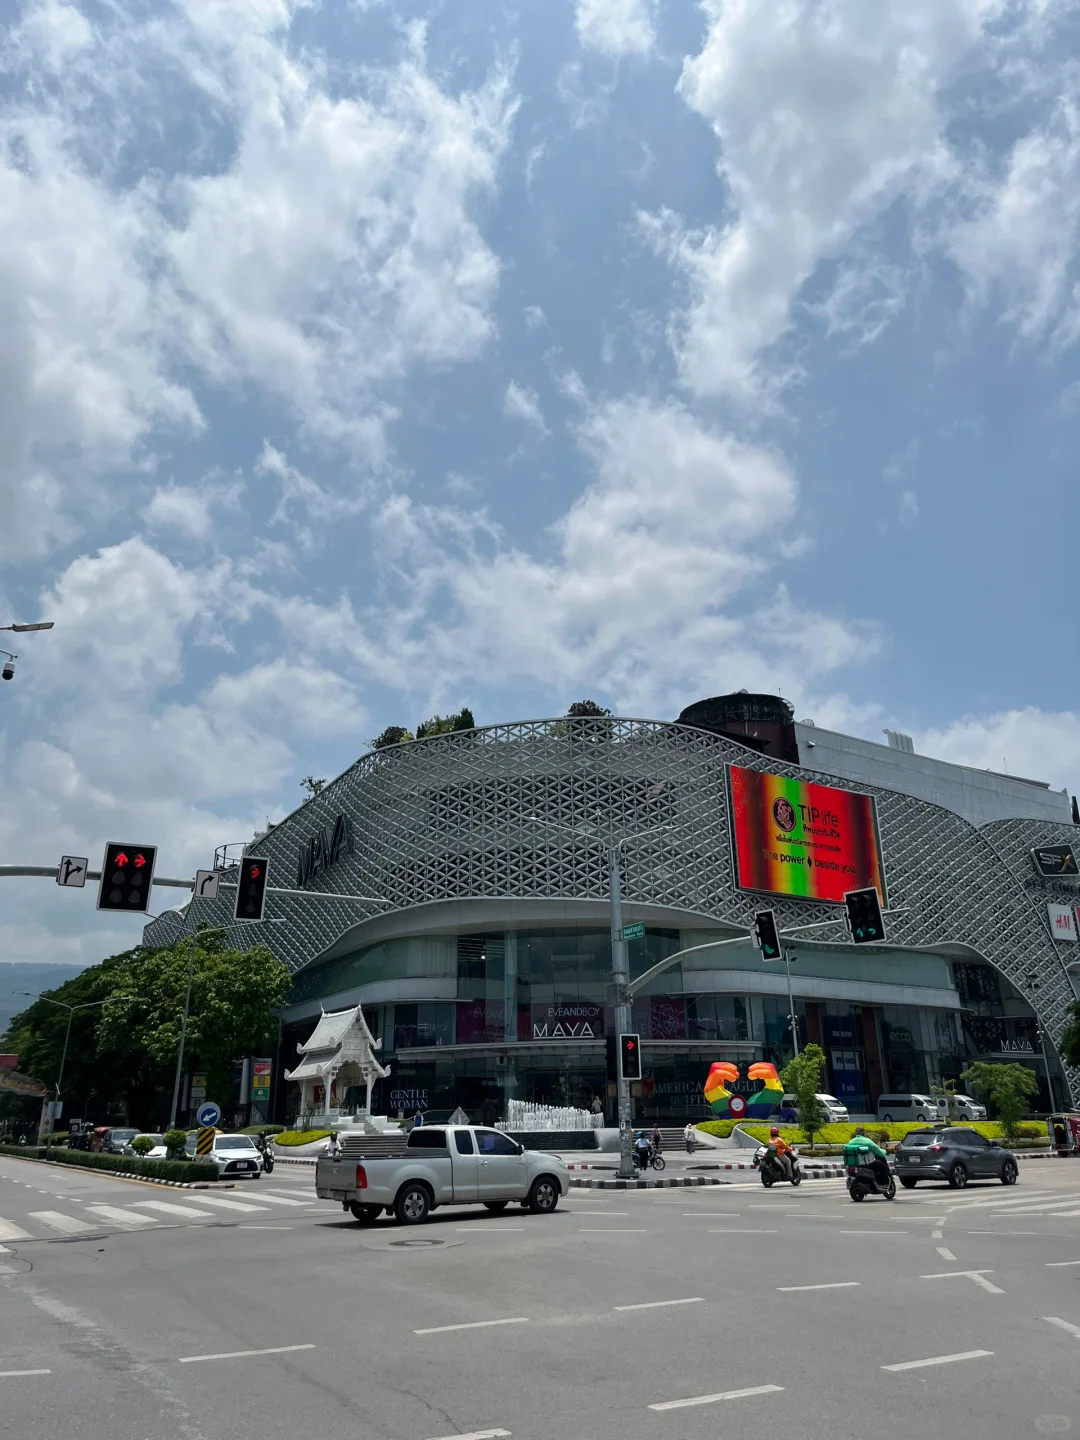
point(953, 1153)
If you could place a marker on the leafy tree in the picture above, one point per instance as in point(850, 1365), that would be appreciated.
point(392, 735)
point(801, 1077)
point(587, 709)
point(313, 786)
point(174, 1143)
point(142, 1144)
point(446, 724)
point(1006, 1087)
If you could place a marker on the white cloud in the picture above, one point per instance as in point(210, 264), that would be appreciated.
point(617, 27)
point(190, 508)
point(522, 403)
point(907, 507)
point(1037, 744)
point(826, 111)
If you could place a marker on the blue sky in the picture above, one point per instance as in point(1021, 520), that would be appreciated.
point(362, 360)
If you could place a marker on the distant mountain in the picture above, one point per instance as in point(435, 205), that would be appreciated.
point(23, 975)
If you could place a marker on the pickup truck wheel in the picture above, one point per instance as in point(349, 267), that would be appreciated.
point(496, 1206)
point(544, 1195)
point(412, 1205)
point(366, 1214)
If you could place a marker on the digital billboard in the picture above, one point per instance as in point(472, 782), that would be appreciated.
point(792, 837)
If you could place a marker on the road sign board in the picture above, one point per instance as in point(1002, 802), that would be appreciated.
point(633, 932)
point(208, 1114)
point(206, 884)
point(204, 1141)
point(72, 871)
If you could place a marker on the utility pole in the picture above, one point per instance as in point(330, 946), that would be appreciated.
point(620, 970)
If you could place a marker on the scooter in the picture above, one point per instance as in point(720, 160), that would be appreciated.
point(876, 1179)
point(770, 1169)
point(268, 1156)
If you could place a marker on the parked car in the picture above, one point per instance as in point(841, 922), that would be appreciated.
point(836, 1112)
point(954, 1153)
point(441, 1165)
point(115, 1140)
point(236, 1156)
point(144, 1135)
point(963, 1107)
point(911, 1107)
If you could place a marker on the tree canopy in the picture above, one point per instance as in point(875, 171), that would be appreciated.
point(122, 1055)
point(587, 709)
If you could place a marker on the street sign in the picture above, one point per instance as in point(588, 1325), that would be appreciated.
point(72, 871)
point(56, 1109)
point(206, 884)
point(204, 1141)
point(633, 932)
point(208, 1114)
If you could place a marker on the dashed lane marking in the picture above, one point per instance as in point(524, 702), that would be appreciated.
point(940, 1360)
point(661, 1304)
point(243, 1354)
point(1063, 1325)
point(1060, 1264)
point(977, 1276)
point(477, 1435)
point(731, 1230)
point(719, 1395)
point(610, 1230)
point(473, 1325)
point(832, 1285)
point(13, 1374)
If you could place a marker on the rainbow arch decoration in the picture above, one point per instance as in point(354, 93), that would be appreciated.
point(728, 1104)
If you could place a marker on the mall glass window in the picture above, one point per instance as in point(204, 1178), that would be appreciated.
point(717, 1017)
point(426, 1023)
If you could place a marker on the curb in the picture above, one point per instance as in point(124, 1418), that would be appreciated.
point(136, 1179)
point(296, 1159)
point(645, 1184)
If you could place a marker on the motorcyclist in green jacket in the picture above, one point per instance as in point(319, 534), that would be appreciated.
point(869, 1153)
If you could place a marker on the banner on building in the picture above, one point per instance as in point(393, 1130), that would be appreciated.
point(791, 837)
point(1062, 922)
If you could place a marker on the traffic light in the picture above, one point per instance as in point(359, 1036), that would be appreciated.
point(611, 1046)
point(864, 917)
point(630, 1056)
point(768, 941)
point(126, 874)
point(251, 888)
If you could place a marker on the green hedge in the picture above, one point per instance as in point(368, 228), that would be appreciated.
point(300, 1137)
point(183, 1170)
point(720, 1128)
point(256, 1130)
point(840, 1134)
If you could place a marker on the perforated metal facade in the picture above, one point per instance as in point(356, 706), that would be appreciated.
point(494, 813)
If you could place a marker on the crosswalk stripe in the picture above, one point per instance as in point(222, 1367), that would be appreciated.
point(10, 1231)
point(57, 1220)
point(273, 1197)
point(185, 1212)
point(116, 1216)
point(1040, 1209)
point(223, 1204)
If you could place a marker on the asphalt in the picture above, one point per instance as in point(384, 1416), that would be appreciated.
point(526, 1326)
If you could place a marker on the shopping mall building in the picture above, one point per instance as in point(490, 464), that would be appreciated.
point(466, 885)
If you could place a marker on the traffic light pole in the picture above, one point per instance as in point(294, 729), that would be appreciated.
point(620, 970)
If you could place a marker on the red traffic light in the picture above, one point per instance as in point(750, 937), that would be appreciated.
point(140, 861)
point(121, 859)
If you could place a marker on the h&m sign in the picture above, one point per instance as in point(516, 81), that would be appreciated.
point(323, 849)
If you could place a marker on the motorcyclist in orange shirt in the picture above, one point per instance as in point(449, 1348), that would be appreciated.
point(782, 1150)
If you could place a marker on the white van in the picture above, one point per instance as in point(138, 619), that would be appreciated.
point(963, 1107)
point(836, 1111)
point(910, 1107)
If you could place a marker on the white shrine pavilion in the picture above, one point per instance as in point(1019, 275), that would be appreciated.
point(339, 1054)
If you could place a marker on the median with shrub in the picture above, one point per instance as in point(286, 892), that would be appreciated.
point(1032, 1135)
point(182, 1171)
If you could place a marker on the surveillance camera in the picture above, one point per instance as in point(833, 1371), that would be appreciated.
point(9, 669)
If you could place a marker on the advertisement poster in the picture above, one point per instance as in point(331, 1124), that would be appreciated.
point(792, 837)
point(260, 1080)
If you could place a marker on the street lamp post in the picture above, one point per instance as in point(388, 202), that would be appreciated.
point(60, 1005)
point(785, 953)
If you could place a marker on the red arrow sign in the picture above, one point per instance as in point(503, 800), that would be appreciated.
point(140, 861)
point(254, 872)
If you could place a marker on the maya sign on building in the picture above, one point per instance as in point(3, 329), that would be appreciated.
point(792, 837)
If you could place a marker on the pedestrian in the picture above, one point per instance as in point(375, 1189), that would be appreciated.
point(418, 1120)
point(333, 1147)
point(688, 1136)
point(657, 1138)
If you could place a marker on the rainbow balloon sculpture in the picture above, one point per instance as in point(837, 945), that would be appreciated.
point(733, 1105)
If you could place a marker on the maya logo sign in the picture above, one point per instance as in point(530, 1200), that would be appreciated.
point(1062, 922)
point(323, 849)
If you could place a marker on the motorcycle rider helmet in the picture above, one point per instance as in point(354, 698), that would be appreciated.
point(774, 1132)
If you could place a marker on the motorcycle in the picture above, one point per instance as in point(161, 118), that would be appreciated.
point(267, 1148)
point(654, 1160)
point(876, 1179)
point(770, 1169)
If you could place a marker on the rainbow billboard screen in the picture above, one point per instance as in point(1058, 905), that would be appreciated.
point(795, 838)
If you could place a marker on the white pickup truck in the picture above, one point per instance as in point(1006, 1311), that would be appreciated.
point(440, 1165)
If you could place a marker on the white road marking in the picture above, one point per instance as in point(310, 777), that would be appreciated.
point(944, 1253)
point(616, 1214)
point(874, 1232)
point(935, 1234)
point(1061, 1214)
point(10, 1374)
point(659, 1304)
point(601, 1230)
point(477, 1435)
point(473, 1325)
point(10, 1231)
point(832, 1285)
point(185, 1212)
point(4, 1250)
point(720, 1395)
point(1000, 1232)
point(940, 1360)
point(742, 1232)
point(223, 1204)
point(476, 1228)
point(1060, 1264)
point(117, 1216)
point(267, 1197)
point(243, 1354)
point(66, 1224)
point(978, 1276)
point(1063, 1325)
point(1060, 1209)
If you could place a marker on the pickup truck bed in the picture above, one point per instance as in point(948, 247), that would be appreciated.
point(441, 1165)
